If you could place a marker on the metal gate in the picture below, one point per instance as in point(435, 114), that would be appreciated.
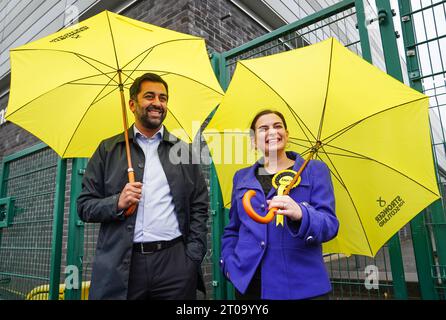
point(32, 186)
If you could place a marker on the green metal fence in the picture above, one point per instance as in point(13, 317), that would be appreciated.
point(31, 181)
point(423, 25)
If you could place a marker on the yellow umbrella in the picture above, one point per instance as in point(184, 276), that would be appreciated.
point(68, 88)
point(65, 88)
point(371, 130)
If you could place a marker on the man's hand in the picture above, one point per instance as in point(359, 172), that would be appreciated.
point(131, 194)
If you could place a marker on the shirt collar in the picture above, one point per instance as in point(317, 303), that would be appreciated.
point(158, 135)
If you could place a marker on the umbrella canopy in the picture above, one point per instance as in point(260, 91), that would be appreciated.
point(65, 88)
point(373, 133)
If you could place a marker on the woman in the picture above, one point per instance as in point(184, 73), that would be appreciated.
point(279, 261)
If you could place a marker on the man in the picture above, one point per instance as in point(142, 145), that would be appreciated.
point(155, 253)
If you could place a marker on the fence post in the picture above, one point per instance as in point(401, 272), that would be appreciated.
point(218, 280)
point(420, 234)
point(56, 240)
point(393, 66)
point(363, 33)
point(75, 246)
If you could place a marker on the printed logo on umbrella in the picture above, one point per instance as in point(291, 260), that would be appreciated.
point(389, 211)
point(72, 34)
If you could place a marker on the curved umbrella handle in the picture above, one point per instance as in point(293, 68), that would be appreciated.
point(246, 201)
point(251, 212)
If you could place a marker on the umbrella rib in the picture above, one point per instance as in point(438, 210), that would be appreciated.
point(337, 175)
point(103, 73)
point(363, 157)
point(232, 132)
point(288, 106)
point(59, 86)
point(349, 195)
point(85, 113)
point(326, 94)
point(179, 124)
point(297, 120)
point(345, 155)
point(96, 101)
point(180, 75)
point(350, 126)
point(134, 69)
point(91, 76)
point(71, 52)
point(151, 49)
point(113, 41)
point(300, 145)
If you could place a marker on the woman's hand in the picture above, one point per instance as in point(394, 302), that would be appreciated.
point(286, 206)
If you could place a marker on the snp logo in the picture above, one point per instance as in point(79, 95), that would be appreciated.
point(371, 277)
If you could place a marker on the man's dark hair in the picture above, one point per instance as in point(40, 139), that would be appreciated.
point(264, 112)
point(152, 77)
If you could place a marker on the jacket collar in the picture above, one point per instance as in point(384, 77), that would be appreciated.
point(167, 136)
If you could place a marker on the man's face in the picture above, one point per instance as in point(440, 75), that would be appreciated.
point(150, 107)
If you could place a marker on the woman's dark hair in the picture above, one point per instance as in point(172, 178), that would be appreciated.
point(264, 112)
point(151, 77)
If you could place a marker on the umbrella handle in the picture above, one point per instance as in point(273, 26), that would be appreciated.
point(130, 210)
point(246, 201)
point(251, 212)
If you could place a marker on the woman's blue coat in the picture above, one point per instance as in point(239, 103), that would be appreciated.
point(291, 256)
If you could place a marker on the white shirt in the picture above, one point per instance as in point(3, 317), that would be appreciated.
point(156, 219)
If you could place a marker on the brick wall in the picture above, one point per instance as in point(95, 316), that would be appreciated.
point(201, 18)
point(12, 137)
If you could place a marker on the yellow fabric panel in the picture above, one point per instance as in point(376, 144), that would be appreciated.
point(302, 85)
point(358, 90)
point(31, 77)
point(90, 38)
point(372, 188)
point(398, 138)
point(133, 38)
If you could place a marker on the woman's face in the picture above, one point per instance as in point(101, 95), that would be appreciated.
point(270, 134)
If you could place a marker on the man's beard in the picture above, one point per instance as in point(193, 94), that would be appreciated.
point(146, 121)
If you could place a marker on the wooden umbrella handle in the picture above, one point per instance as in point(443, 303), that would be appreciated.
point(131, 173)
point(246, 201)
point(130, 210)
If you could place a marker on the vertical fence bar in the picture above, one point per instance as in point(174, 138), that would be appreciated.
point(75, 246)
point(393, 67)
point(363, 33)
point(56, 240)
point(4, 172)
point(420, 236)
point(436, 210)
point(218, 281)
